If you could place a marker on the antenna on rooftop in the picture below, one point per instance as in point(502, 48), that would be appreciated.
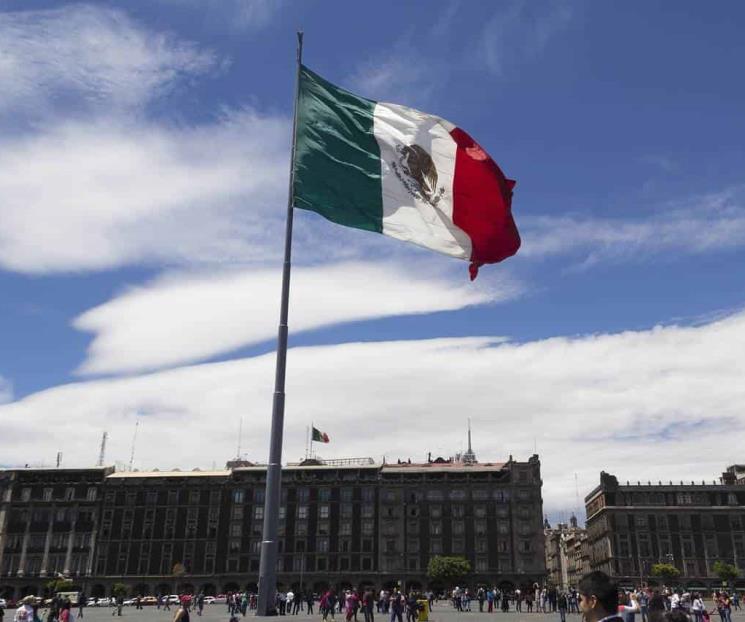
point(134, 441)
point(102, 451)
point(59, 458)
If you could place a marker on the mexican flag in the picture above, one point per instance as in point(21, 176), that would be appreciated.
point(400, 172)
point(320, 437)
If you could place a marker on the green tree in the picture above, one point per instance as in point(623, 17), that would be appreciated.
point(58, 585)
point(668, 572)
point(449, 570)
point(726, 572)
point(118, 589)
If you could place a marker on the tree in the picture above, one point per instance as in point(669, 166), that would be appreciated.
point(448, 569)
point(59, 585)
point(668, 572)
point(726, 572)
point(118, 589)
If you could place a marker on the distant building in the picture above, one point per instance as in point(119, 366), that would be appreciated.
point(631, 527)
point(567, 553)
point(342, 522)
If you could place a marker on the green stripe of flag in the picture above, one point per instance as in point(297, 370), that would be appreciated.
point(337, 159)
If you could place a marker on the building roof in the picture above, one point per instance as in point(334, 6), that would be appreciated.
point(442, 467)
point(139, 474)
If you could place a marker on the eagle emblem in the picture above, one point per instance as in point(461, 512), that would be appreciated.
point(416, 170)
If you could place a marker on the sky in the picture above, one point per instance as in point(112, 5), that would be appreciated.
point(144, 161)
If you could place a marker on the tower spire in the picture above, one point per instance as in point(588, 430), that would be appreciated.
point(469, 457)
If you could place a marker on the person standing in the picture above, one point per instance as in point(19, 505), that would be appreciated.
point(368, 604)
point(562, 602)
point(166, 604)
point(25, 612)
point(182, 614)
point(598, 598)
point(82, 602)
point(309, 599)
point(397, 606)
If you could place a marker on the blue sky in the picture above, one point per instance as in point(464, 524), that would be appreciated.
point(143, 169)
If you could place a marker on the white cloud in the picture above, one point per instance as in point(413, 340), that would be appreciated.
point(185, 318)
point(642, 405)
point(92, 55)
point(6, 390)
point(704, 224)
point(92, 196)
point(519, 30)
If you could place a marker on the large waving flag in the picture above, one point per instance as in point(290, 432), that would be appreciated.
point(400, 172)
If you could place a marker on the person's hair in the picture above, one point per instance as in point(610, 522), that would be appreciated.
point(599, 585)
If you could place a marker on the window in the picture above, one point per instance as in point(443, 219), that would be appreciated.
point(345, 528)
point(130, 498)
point(457, 511)
point(172, 497)
point(151, 497)
point(479, 527)
point(390, 545)
point(640, 521)
point(623, 545)
point(735, 522)
point(367, 545)
point(482, 564)
point(434, 495)
point(346, 510)
point(282, 512)
point(458, 527)
point(459, 545)
point(47, 496)
point(435, 547)
point(236, 512)
point(323, 527)
point(412, 545)
point(684, 498)
point(366, 563)
point(481, 545)
point(255, 547)
point(435, 511)
point(234, 546)
point(662, 524)
point(479, 511)
point(69, 493)
point(238, 495)
point(321, 563)
point(303, 495)
point(368, 510)
point(346, 494)
point(480, 494)
point(301, 528)
point(214, 497)
point(25, 494)
point(435, 528)
point(324, 494)
point(258, 512)
point(684, 521)
point(236, 529)
point(711, 546)
point(323, 511)
point(686, 545)
point(368, 527)
point(412, 525)
point(322, 545)
point(194, 497)
point(645, 550)
point(300, 546)
point(259, 495)
point(368, 494)
point(525, 546)
point(457, 494)
point(302, 511)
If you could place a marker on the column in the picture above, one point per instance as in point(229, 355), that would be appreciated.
point(24, 548)
point(70, 543)
point(47, 544)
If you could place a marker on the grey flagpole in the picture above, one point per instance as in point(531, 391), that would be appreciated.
point(269, 545)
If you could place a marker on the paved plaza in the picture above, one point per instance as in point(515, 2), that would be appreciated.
point(441, 613)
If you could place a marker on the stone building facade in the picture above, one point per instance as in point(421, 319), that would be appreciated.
point(631, 527)
point(341, 523)
point(567, 554)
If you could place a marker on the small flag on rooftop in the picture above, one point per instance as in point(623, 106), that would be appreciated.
point(320, 437)
point(400, 172)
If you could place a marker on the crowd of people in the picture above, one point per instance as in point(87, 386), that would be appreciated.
point(595, 594)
